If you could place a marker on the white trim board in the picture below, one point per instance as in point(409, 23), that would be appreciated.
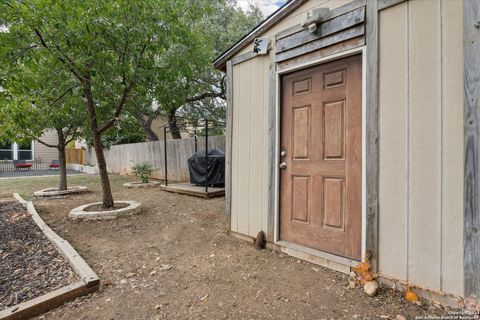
point(319, 253)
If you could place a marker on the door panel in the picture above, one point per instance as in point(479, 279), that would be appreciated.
point(321, 187)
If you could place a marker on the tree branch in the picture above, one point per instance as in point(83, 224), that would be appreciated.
point(118, 111)
point(64, 58)
point(62, 95)
point(210, 94)
point(72, 137)
point(42, 40)
point(125, 93)
point(47, 144)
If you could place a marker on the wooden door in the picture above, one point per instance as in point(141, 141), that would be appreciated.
point(321, 144)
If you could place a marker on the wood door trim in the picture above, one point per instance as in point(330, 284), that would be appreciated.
point(371, 138)
point(471, 44)
point(228, 141)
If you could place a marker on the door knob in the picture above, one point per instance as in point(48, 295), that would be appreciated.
point(282, 165)
point(283, 153)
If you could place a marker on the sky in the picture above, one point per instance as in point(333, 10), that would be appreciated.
point(267, 6)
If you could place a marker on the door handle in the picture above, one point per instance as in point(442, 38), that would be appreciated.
point(282, 165)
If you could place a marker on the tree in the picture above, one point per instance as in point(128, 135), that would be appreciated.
point(190, 86)
point(108, 48)
point(31, 106)
point(126, 130)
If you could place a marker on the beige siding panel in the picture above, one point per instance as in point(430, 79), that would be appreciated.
point(43, 153)
point(421, 131)
point(393, 122)
point(256, 145)
point(424, 143)
point(235, 139)
point(266, 161)
point(452, 147)
point(244, 164)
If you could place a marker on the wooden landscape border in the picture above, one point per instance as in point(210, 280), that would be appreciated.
point(89, 282)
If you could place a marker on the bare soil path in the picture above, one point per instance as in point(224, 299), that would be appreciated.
point(176, 261)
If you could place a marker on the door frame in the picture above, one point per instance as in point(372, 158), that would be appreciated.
point(325, 255)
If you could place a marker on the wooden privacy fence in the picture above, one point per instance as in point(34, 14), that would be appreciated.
point(76, 156)
point(121, 158)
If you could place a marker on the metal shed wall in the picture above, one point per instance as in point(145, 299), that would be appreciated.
point(421, 143)
point(420, 140)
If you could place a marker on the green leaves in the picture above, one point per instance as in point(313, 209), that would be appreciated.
point(55, 51)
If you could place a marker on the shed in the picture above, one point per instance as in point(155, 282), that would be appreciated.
point(356, 137)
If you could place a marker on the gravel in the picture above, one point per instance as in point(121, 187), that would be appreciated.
point(30, 265)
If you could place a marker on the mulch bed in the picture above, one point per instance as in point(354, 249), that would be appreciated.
point(30, 265)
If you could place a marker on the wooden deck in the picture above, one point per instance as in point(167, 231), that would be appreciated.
point(193, 190)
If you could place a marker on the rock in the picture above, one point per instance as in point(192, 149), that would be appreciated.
point(371, 288)
point(351, 284)
point(470, 304)
point(400, 317)
point(106, 282)
point(130, 275)
point(166, 267)
point(123, 281)
point(153, 273)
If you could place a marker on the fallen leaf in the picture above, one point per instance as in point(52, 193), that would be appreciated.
point(362, 267)
point(411, 296)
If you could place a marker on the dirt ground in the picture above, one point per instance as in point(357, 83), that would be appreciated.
point(176, 261)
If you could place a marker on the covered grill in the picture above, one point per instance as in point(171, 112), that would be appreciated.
point(209, 166)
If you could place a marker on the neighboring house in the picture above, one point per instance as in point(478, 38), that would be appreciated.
point(158, 125)
point(347, 141)
point(31, 151)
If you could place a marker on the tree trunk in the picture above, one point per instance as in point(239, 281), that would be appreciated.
point(62, 159)
point(107, 198)
point(102, 169)
point(173, 125)
point(146, 124)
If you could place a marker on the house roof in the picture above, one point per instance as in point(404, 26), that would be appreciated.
point(269, 22)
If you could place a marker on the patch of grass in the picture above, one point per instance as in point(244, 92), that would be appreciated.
point(26, 186)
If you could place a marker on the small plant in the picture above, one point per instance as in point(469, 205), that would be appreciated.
point(143, 171)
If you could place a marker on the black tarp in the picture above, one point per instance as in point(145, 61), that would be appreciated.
point(215, 168)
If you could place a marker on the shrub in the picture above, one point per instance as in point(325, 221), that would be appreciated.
point(143, 171)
